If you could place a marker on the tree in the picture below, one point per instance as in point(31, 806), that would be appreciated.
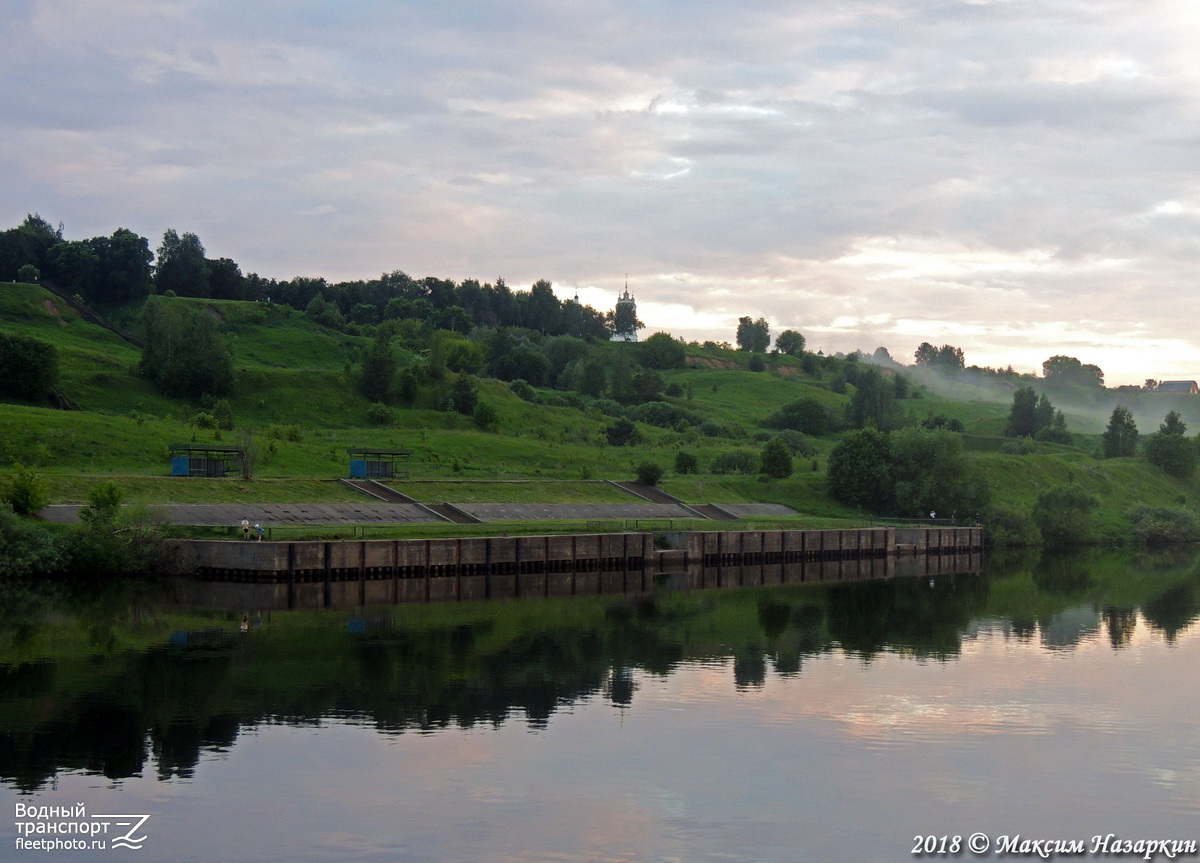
point(485, 416)
point(622, 433)
point(804, 415)
point(1173, 424)
point(1063, 513)
point(873, 403)
point(623, 320)
point(378, 368)
point(226, 281)
point(25, 492)
point(859, 472)
point(660, 351)
point(930, 472)
point(947, 358)
point(181, 266)
point(1120, 439)
point(776, 459)
point(790, 342)
point(1172, 453)
point(28, 367)
point(753, 335)
point(185, 353)
point(649, 473)
point(1061, 369)
point(686, 462)
point(1023, 416)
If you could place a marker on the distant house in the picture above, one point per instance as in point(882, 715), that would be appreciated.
point(1188, 387)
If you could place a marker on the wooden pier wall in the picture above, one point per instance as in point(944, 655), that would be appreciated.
point(349, 574)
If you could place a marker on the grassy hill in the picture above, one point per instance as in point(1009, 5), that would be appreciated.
point(298, 401)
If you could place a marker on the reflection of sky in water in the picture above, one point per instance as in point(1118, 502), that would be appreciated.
point(849, 760)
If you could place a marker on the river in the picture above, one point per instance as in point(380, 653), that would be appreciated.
point(1050, 698)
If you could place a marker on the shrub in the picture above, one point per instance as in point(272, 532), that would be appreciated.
point(1004, 526)
point(804, 415)
point(379, 414)
point(1172, 453)
point(25, 491)
point(664, 415)
point(485, 416)
point(776, 459)
point(1019, 446)
point(1157, 525)
point(609, 408)
point(686, 462)
point(522, 390)
point(622, 433)
point(736, 461)
point(103, 506)
point(797, 443)
point(28, 367)
point(1050, 434)
point(1063, 513)
point(649, 473)
point(756, 363)
point(674, 390)
point(28, 549)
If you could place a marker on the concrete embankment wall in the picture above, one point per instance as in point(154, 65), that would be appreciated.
point(347, 574)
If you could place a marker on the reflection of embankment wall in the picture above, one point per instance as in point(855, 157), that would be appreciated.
point(349, 574)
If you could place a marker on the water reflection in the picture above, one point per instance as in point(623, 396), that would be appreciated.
point(117, 683)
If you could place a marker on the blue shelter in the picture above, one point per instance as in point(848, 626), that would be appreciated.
point(377, 463)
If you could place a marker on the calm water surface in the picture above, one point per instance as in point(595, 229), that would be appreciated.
point(1053, 698)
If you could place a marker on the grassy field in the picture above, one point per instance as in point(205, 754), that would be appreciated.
point(299, 408)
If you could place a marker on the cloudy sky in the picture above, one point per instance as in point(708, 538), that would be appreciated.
point(1018, 177)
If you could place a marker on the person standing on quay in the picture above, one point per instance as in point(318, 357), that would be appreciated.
point(245, 528)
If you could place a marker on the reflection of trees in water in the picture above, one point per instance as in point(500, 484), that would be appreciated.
point(1172, 611)
point(1121, 624)
point(170, 705)
point(925, 617)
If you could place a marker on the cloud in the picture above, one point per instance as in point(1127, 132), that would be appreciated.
point(867, 162)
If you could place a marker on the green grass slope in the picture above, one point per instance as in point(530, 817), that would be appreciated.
point(297, 399)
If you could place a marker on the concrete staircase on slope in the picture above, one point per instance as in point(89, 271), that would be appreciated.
point(379, 491)
point(657, 495)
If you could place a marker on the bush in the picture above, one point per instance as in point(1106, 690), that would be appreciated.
point(609, 408)
point(797, 443)
point(28, 550)
point(25, 491)
point(1157, 525)
point(522, 390)
point(648, 473)
point(622, 433)
point(1004, 526)
point(379, 414)
point(674, 390)
point(103, 506)
point(804, 415)
point(741, 461)
point(664, 415)
point(485, 416)
point(776, 459)
point(1063, 514)
point(756, 363)
point(1172, 453)
point(686, 462)
point(1019, 446)
point(28, 367)
point(1050, 434)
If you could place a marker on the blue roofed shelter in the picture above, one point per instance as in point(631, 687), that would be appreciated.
point(377, 463)
point(188, 459)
